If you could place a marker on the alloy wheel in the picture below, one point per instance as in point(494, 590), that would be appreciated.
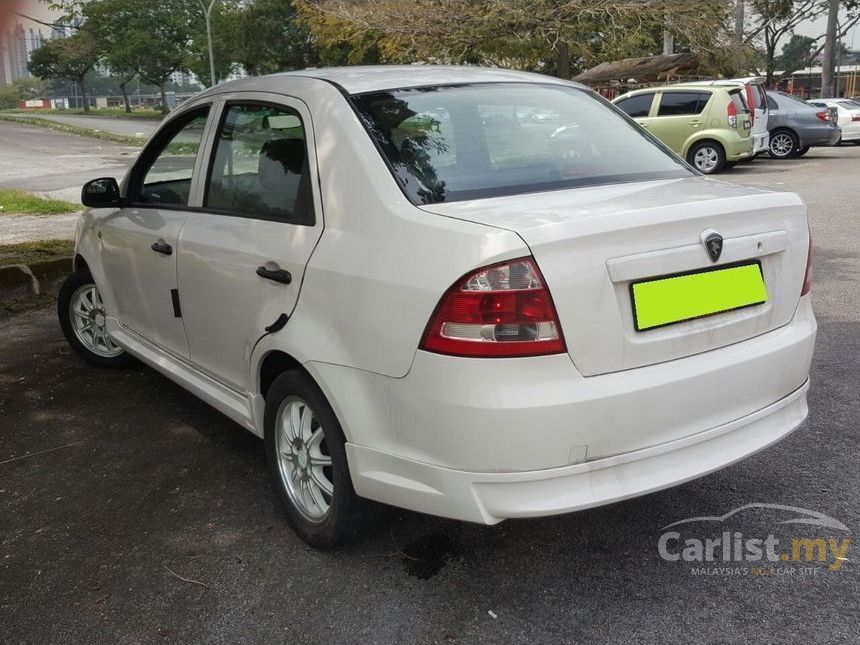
point(303, 462)
point(782, 145)
point(706, 158)
point(87, 313)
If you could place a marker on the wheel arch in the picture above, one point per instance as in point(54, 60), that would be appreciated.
point(79, 262)
point(702, 137)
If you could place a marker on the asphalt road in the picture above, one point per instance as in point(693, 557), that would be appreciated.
point(117, 125)
point(57, 164)
point(130, 511)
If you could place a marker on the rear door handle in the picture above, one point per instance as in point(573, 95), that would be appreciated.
point(695, 122)
point(162, 247)
point(278, 275)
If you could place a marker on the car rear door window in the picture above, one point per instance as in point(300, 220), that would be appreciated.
point(682, 103)
point(259, 167)
point(637, 106)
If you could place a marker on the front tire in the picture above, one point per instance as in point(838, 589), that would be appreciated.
point(783, 145)
point(82, 319)
point(803, 151)
point(707, 157)
point(306, 455)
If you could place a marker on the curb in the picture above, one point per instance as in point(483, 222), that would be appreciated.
point(18, 280)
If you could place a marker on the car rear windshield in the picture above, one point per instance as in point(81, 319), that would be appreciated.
point(759, 96)
point(452, 143)
point(739, 101)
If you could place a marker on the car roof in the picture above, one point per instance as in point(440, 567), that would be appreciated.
point(374, 78)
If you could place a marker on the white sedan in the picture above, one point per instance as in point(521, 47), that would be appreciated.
point(848, 117)
point(418, 293)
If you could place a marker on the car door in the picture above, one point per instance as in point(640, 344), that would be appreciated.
point(679, 116)
point(138, 244)
point(242, 256)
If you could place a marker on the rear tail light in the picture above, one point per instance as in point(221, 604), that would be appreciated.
point(751, 102)
point(733, 115)
point(807, 278)
point(501, 310)
point(855, 117)
point(824, 115)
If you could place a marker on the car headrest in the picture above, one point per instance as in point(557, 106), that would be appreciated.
point(279, 157)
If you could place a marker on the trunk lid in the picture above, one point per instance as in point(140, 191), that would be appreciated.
point(592, 243)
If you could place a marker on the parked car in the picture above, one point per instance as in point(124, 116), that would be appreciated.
point(848, 117)
point(796, 126)
point(414, 303)
point(708, 126)
point(756, 99)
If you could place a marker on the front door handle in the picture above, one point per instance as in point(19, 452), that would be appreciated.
point(162, 247)
point(278, 275)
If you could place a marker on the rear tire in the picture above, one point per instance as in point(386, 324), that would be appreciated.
point(783, 145)
point(306, 455)
point(708, 157)
point(82, 319)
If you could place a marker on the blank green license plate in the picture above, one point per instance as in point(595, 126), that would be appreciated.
point(673, 299)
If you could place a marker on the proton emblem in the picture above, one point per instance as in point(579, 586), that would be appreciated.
point(713, 243)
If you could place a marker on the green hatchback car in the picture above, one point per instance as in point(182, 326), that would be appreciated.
point(709, 126)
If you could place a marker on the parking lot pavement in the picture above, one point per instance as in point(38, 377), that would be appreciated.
point(130, 511)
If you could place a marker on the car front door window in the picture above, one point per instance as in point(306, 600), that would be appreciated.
point(166, 178)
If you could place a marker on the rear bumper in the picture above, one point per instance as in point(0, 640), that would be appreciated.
point(738, 147)
point(761, 142)
point(824, 135)
point(482, 440)
point(489, 498)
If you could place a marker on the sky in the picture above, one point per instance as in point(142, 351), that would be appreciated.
point(815, 28)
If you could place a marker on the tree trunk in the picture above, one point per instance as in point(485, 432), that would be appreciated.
point(739, 21)
point(164, 109)
point(828, 66)
point(562, 60)
point(125, 100)
point(84, 94)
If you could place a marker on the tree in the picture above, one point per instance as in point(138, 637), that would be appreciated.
point(554, 36)
point(223, 26)
point(797, 53)
point(773, 20)
point(70, 58)
point(289, 43)
point(107, 20)
point(21, 89)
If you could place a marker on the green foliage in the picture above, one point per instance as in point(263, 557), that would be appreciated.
point(796, 54)
point(22, 202)
point(21, 89)
point(69, 58)
point(32, 252)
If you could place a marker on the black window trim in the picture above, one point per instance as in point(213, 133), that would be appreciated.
point(147, 158)
point(210, 163)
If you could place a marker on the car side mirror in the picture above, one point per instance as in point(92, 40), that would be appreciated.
point(101, 193)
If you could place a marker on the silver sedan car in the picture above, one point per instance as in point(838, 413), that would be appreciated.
point(795, 126)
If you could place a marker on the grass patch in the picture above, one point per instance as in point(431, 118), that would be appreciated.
point(72, 129)
point(22, 202)
point(152, 115)
point(32, 252)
